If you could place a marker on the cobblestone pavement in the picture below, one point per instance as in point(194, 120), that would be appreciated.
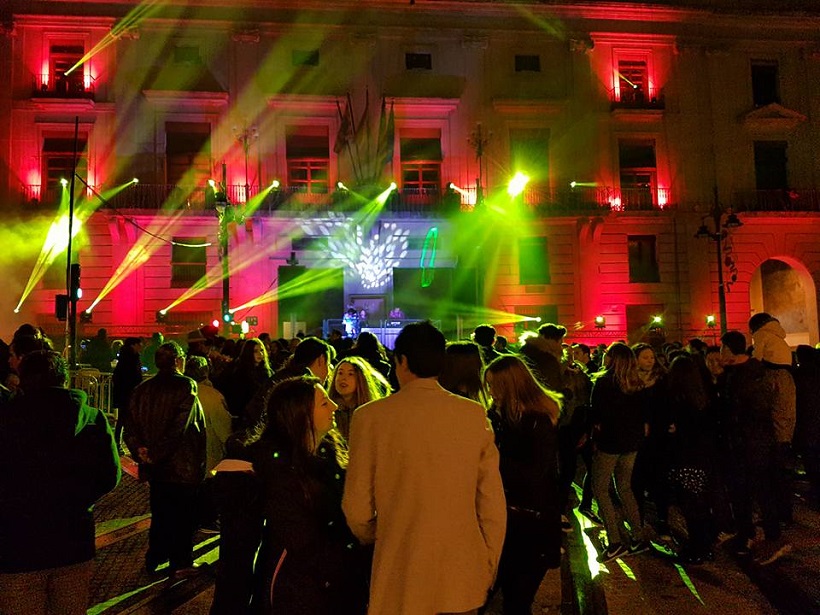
point(649, 583)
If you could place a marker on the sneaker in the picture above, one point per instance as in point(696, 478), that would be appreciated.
point(589, 514)
point(639, 546)
point(566, 526)
point(770, 551)
point(612, 552)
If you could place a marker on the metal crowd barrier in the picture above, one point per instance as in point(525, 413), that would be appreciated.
point(97, 385)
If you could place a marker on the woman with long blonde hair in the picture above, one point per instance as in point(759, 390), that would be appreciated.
point(525, 416)
point(354, 383)
point(619, 430)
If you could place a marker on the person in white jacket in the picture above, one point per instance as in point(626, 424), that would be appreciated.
point(423, 483)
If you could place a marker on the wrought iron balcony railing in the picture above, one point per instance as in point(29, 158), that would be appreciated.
point(56, 86)
point(777, 200)
point(627, 97)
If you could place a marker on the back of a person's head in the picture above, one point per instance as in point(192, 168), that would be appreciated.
point(131, 342)
point(288, 419)
point(515, 390)
point(368, 344)
point(735, 341)
point(462, 369)
point(197, 368)
point(422, 344)
point(166, 356)
point(484, 335)
point(42, 368)
point(310, 349)
point(25, 344)
point(552, 331)
point(685, 382)
point(757, 321)
point(698, 345)
point(27, 330)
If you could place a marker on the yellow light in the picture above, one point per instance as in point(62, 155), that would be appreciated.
point(275, 183)
point(63, 182)
point(212, 184)
point(517, 184)
point(572, 184)
point(341, 186)
point(163, 312)
point(711, 321)
point(135, 180)
point(393, 185)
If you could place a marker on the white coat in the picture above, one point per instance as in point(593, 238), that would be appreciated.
point(423, 482)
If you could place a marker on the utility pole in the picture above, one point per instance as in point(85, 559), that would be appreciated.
point(224, 212)
point(72, 270)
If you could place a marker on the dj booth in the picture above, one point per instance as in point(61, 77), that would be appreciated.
point(386, 330)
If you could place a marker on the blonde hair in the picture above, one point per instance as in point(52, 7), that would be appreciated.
point(515, 390)
point(370, 384)
point(624, 367)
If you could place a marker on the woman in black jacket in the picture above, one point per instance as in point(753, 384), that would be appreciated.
point(309, 563)
point(524, 416)
point(619, 430)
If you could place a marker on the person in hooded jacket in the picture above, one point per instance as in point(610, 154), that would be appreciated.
point(57, 458)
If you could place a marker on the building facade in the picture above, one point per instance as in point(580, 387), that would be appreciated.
point(636, 124)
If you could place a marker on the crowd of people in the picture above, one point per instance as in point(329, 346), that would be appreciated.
point(346, 478)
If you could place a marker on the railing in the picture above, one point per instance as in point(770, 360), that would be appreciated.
point(412, 202)
point(98, 386)
point(55, 86)
point(777, 200)
point(626, 97)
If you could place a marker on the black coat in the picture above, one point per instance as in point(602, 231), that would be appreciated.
point(528, 464)
point(310, 563)
point(619, 417)
point(57, 457)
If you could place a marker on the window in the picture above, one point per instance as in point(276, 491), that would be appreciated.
point(418, 61)
point(308, 156)
point(771, 165)
point(638, 173)
point(643, 259)
point(187, 152)
point(187, 55)
point(533, 261)
point(63, 57)
point(765, 83)
point(421, 164)
point(632, 81)
point(529, 154)
point(58, 158)
point(527, 64)
point(300, 57)
point(188, 264)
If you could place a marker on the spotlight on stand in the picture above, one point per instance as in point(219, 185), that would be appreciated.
point(711, 321)
point(600, 322)
point(160, 315)
point(656, 323)
point(63, 182)
point(85, 316)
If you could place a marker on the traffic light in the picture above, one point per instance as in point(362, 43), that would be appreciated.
point(227, 315)
point(75, 292)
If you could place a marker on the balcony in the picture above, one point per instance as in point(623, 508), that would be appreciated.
point(289, 200)
point(637, 98)
point(55, 86)
point(777, 200)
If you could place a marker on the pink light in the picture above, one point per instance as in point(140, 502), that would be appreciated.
point(662, 198)
point(615, 204)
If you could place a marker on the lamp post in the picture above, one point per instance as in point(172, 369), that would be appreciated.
point(479, 140)
point(720, 233)
point(245, 137)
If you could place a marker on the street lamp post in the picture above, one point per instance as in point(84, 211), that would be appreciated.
point(245, 137)
point(718, 236)
point(479, 141)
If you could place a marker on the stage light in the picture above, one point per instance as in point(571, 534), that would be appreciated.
point(63, 182)
point(85, 316)
point(452, 186)
point(341, 186)
point(711, 321)
point(600, 322)
point(537, 319)
point(160, 315)
point(135, 180)
point(572, 184)
point(16, 310)
point(657, 321)
point(212, 184)
point(215, 323)
point(246, 327)
point(393, 185)
point(517, 184)
point(275, 184)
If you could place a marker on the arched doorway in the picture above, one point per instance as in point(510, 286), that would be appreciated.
point(784, 288)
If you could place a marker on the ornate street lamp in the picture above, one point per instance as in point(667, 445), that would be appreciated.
point(723, 221)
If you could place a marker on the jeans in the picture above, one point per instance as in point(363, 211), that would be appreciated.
point(605, 467)
point(54, 591)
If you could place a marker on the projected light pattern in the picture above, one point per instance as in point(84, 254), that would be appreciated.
point(371, 257)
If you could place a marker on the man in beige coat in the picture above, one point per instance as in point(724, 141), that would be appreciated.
point(423, 483)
